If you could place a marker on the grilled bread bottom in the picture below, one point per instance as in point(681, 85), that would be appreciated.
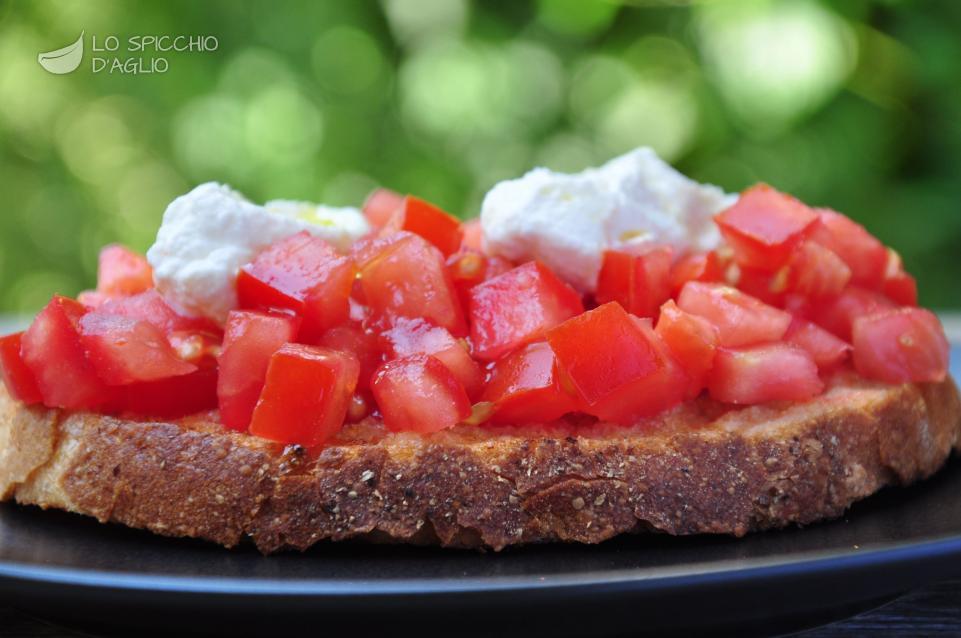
point(701, 468)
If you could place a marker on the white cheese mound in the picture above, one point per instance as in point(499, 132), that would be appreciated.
point(341, 226)
point(567, 221)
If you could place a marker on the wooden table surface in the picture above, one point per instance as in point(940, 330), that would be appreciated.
point(934, 610)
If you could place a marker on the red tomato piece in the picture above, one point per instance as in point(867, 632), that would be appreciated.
point(767, 372)
point(898, 285)
point(173, 397)
point(797, 305)
point(416, 336)
point(640, 283)
point(406, 277)
point(124, 350)
point(692, 340)
point(827, 350)
point(518, 307)
point(837, 315)
point(815, 271)
point(52, 350)
point(424, 219)
point(740, 318)
point(525, 387)
point(473, 234)
point(769, 287)
point(20, 382)
point(696, 267)
point(903, 345)
point(764, 226)
point(196, 347)
point(93, 299)
point(306, 394)
point(859, 249)
point(250, 340)
point(419, 394)
point(467, 268)
point(363, 344)
point(381, 205)
point(304, 274)
point(620, 369)
point(122, 271)
point(151, 306)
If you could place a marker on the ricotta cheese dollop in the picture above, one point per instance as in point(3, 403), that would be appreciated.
point(567, 221)
point(210, 232)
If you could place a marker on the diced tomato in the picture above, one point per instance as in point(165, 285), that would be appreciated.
point(122, 271)
point(767, 372)
point(380, 205)
point(250, 340)
point(525, 387)
point(740, 318)
point(898, 285)
point(837, 315)
point(171, 398)
point(696, 267)
point(124, 350)
point(903, 345)
point(197, 347)
point(304, 274)
point(797, 305)
point(769, 287)
point(363, 344)
point(619, 367)
point(52, 350)
point(93, 299)
point(306, 394)
point(640, 283)
point(416, 336)
point(827, 350)
point(764, 226)
point(815, 271)
point(151, 306)
point(859, 249)
point(473, 234)
point(424, 219)
point(692, 341)
point(406, 277)
point(20, 382)
point(419, 394)
point(468, 267)
point(518, 307)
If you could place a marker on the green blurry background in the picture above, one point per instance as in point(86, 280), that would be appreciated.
point(856, 105)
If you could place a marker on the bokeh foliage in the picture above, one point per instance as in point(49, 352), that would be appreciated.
point(855, 105)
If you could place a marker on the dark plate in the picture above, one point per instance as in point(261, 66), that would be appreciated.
point(111, 578)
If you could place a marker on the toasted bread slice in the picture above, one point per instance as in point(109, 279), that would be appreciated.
point(702, 468)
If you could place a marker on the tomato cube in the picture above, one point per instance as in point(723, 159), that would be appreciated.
point(304, 274)
point(815, 271)
point(418, 393)
point(898, 285)
point(692, 341)
point(764, 226)
point(767, 372)
point(123, 350)
point(151, 306)
point(525, 387)
point(640, 283)
point(619, 367)
point(468, 267)
point(740, 318)
point(518, 307)
point(306, 394)
point(770, 287)
point(197, 347)
point(902, 345)
point(696, 267)
point(250, 340)
point(864, 254)
point(20, 382)
point(172, 397)
point(121, 271)
point(52, 350)
point(353, 338)
point(93, 299)
point(473, 234)
point(827, 350)
point(426, 220)
point(837, 315)
point(416, 336)
point(381, 205)
point(405, 276)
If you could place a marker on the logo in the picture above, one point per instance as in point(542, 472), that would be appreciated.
point(65, 60)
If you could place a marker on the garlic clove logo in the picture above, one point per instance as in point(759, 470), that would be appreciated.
point(65, 60)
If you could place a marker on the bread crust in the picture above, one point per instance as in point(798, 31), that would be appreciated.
point(702, 468)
